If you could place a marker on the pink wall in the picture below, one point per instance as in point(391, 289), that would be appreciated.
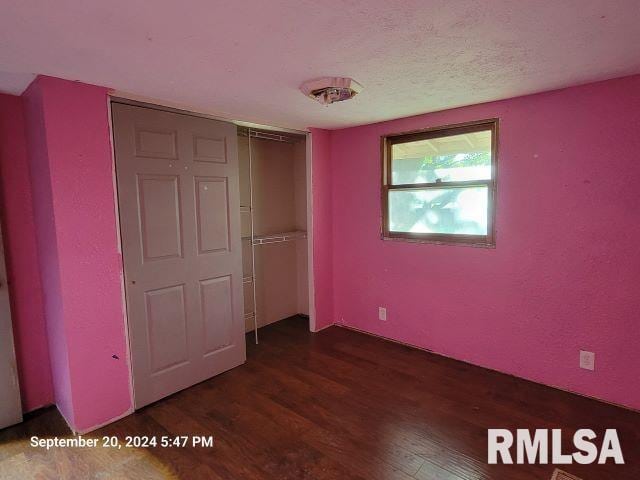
point(18, 230)
point(46, 241)
point(80, 264)
point(565, 274)
point(322, 227)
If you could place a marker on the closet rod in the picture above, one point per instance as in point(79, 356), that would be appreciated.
point(279, 237)
point(271, 136)
point(253, 247)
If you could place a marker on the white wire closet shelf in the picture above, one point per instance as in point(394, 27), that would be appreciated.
point(279, 237)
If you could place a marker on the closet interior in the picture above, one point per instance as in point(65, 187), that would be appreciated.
point(273, 210)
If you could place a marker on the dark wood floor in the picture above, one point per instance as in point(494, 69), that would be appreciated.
point(336, 405)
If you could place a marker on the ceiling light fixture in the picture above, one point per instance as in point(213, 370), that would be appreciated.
point(327, 90)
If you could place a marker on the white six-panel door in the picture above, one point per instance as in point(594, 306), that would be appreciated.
point(178, 196)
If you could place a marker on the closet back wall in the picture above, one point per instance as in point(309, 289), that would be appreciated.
point(279, 196)
point(565, 273)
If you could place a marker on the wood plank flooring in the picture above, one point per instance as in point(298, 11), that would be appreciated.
point(337, 405)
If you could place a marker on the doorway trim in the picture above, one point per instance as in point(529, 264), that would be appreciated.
point(11, 408)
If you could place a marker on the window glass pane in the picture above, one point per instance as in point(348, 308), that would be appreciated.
point(454, 158)
point(439, 210)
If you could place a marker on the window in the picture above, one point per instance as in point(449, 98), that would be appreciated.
point(438, 185)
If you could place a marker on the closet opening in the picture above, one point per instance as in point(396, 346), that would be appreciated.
point(210, 211)
point(273, 210)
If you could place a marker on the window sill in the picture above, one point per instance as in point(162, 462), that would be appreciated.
point(441, 241)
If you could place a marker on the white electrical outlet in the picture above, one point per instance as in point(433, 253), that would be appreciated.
point(382, 314)
point(587, 360)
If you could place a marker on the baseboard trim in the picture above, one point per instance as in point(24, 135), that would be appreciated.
point(417, 347)
point(69, 424)
point(73, 429)
point(325, 327)
point(39, 407)
point(103, 424)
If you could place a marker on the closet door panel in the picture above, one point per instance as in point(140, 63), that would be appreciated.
point(166, 320)
point(160, 216)
point(212, 224)
point(178, 194)
point(217, 264)
point(217, 310)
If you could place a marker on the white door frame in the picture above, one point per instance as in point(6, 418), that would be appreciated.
point(312, 289)
point(10, 402)
point(120, 97)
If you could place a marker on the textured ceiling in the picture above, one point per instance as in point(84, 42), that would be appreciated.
point(246, 59)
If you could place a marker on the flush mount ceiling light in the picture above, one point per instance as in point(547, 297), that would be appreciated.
point(327, 90)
